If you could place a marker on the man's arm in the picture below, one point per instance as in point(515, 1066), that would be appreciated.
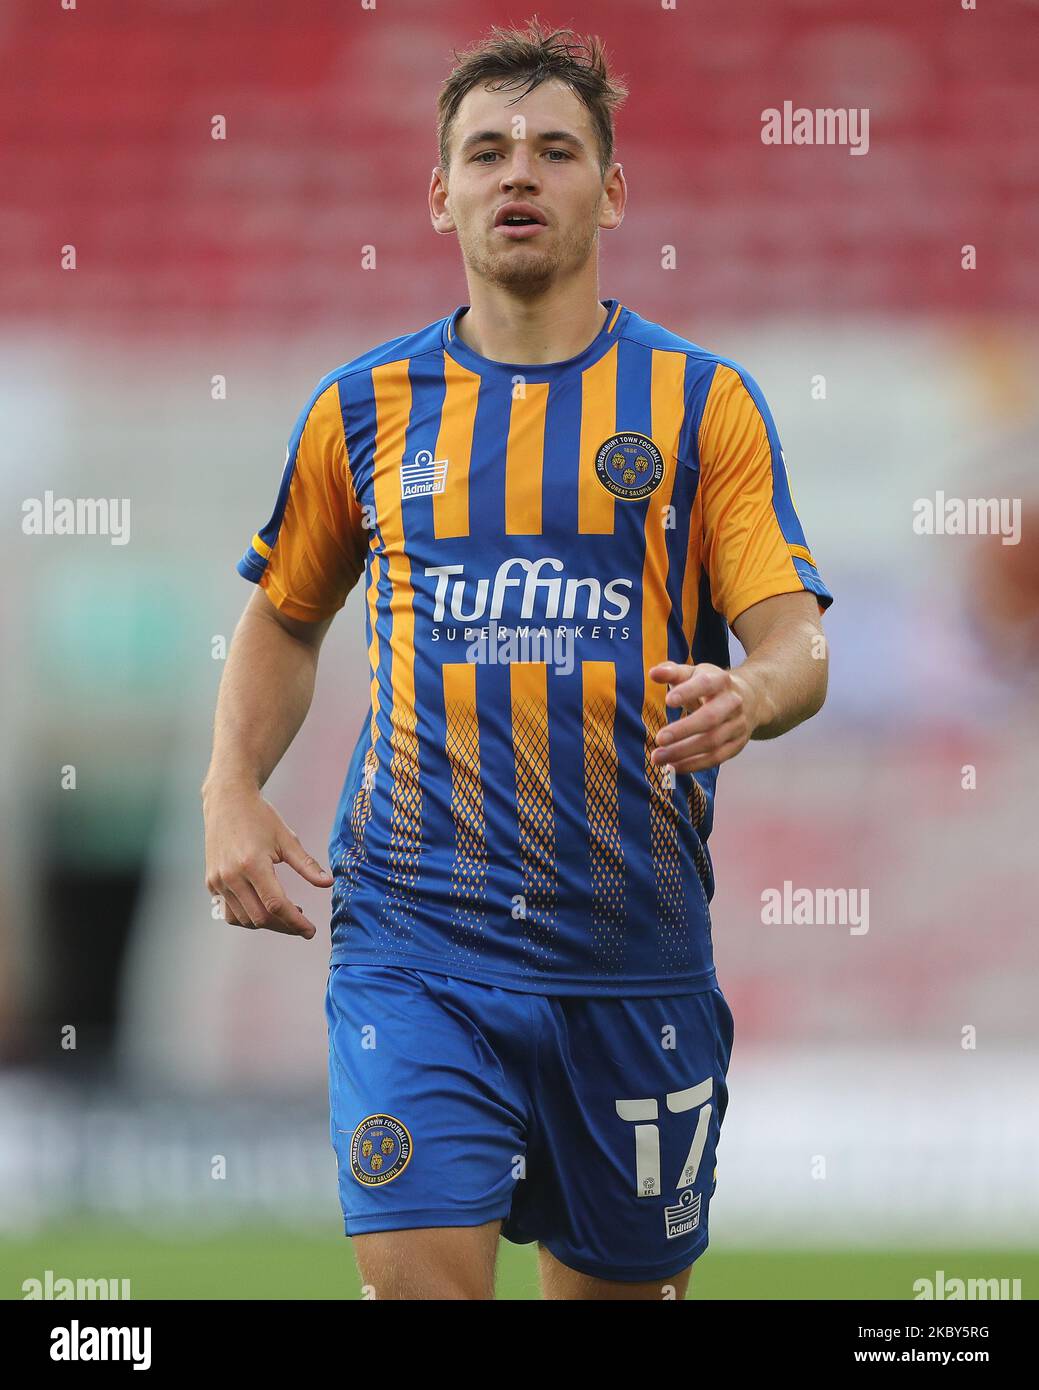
point(781, 684)
point(264, 696)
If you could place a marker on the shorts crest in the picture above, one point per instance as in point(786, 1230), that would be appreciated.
point(379, 1150)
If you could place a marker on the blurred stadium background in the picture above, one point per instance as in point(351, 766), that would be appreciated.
point(241, 259)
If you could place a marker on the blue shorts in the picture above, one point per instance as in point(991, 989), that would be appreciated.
point(588, 1123)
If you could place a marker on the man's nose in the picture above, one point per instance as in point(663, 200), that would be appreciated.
point(520, 171)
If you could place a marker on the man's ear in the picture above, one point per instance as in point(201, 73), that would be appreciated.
point(439, 211)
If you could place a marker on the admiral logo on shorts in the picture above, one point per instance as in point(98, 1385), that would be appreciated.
point(684, 1216)
point(379, 1150)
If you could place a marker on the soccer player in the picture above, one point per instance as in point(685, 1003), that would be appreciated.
point(558, 509)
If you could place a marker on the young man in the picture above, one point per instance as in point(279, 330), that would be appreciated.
point(557, 506)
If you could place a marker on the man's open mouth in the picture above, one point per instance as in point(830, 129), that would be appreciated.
point(519, 215)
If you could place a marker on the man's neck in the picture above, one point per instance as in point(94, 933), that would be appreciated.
point(552, 328)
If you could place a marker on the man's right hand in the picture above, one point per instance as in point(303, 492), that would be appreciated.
point(245, 838)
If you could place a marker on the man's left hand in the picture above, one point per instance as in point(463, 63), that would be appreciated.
point(723, 714)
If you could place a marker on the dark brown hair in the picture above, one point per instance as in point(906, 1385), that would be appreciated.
point(524, 58)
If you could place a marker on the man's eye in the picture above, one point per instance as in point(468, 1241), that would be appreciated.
point(488, 156)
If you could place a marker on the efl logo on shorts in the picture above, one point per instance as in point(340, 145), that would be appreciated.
point(630, 466)
point(379, 1150)
point(684, 1216)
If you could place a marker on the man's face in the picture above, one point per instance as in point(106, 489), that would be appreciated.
point(540, 152)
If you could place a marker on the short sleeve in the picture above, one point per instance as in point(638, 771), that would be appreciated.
point(312, 551)
point(753, 543)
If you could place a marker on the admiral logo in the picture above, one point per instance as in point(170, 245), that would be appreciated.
point(684, 1216)
point(558, 598)
point(424, 476)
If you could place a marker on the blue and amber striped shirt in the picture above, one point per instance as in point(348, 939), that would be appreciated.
point(532, 540)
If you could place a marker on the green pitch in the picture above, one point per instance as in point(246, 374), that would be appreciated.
point(259, 1264)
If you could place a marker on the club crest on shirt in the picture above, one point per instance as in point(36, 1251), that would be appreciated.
point(629, 465)
point(379, 1150)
